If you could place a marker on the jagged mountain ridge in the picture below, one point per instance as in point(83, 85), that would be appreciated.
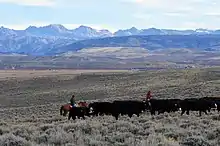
point(57, 30)
point(85, 32)
point(55, 38)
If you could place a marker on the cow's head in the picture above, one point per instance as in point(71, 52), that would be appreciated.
point(91, 110)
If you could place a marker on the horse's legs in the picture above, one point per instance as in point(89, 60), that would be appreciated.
point(69, 116)
point(61, 110)
point(65, 112)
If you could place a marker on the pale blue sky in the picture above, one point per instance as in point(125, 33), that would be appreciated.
point(111, 14)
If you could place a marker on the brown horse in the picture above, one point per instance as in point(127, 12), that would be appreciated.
point(66, 107)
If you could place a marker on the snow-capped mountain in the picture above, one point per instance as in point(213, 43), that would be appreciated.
point(38, 40)
point(5, 32)
point(155, 31)
point(127, 32)
point(50, 30)
point(84, 32)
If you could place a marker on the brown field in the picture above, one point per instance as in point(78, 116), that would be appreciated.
point(30, 102)
point(24, 74)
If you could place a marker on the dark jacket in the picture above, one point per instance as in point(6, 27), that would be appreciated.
point(72, 101)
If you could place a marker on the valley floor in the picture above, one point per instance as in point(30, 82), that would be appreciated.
point(30, 102)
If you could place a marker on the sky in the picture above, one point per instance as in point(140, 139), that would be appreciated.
point(111, 14)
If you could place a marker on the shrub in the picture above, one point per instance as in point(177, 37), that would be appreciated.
point(43, 138)
point(12, 140)
point(44, 127)
point(60, 137)
point(23, 132)
point(3, 130)
point(213, 134)
point(195, 141)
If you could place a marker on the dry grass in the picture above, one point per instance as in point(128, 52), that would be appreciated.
point(29, 109)
point(27, 74)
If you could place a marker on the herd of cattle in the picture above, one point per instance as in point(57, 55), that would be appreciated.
point(130, 107)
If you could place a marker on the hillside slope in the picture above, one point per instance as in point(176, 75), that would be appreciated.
point(151, 42)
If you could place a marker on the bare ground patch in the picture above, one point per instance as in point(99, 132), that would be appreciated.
point(24, 74)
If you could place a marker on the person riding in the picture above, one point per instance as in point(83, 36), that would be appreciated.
point(72, 100)
point(149, 95)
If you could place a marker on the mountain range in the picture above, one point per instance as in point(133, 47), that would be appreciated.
point(55, 39)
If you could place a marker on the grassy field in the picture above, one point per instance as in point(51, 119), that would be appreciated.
point(30, 102)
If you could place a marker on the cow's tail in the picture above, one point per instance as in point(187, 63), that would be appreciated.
point(61, 110)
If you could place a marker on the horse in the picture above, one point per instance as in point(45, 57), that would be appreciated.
point(67, 107)
point(64, 109)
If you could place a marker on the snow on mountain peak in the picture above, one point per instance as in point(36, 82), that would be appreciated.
point(58, 27)
point(41, 39)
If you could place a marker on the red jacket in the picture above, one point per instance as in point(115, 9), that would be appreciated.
point(149, 95)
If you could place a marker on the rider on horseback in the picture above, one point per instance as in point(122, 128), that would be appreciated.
point(72, 100)
point(148, 95)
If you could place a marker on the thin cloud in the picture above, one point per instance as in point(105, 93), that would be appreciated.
point(175, 14)
point(142, 16)
point(173, 8)
point(30, 2)
point(214, 14)
point(163, 5)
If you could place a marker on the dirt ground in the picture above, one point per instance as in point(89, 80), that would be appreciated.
point(24, 74)
point(29, 108)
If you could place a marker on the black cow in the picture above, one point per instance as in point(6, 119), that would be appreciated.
point(100, 108)
point(78, 112)
point(163, 105)
point(215, 102)
point(127, 107)
point(174, 105)
point(195, 104)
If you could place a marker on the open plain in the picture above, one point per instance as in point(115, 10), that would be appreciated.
point(30, 103)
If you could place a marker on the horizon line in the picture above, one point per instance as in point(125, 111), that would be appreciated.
point(74, 26)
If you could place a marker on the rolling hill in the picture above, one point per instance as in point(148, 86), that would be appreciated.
point(150, 42)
